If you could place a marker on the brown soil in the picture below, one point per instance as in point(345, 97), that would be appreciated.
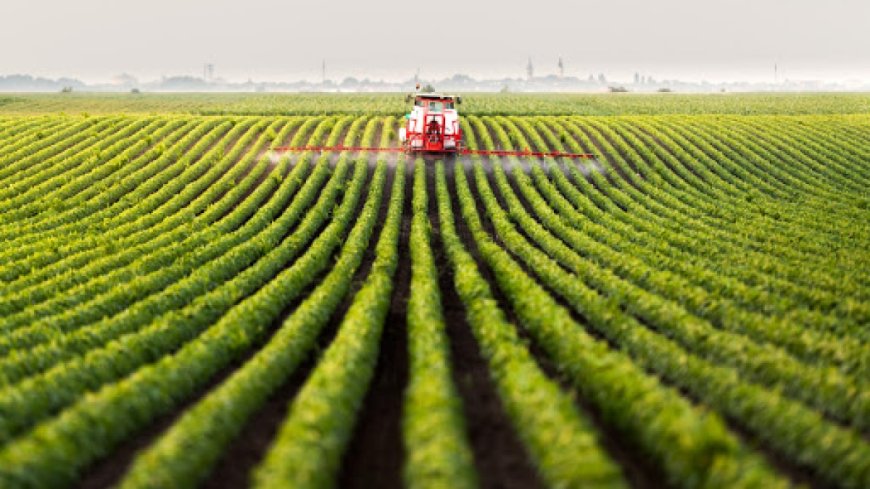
point(499, 457)
point(233, 469)
point(375, 456)
point(108, 472)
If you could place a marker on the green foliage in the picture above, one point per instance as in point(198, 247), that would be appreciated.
point(558, 438)
point(778, 370)
point(307, 450)
point(438, 454)
point(700, 286)
point(393, 104)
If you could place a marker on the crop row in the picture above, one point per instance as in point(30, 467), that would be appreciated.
point(707, 381)
point(121, 410)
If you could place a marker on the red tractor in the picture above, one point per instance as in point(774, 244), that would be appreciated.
point(432, 126)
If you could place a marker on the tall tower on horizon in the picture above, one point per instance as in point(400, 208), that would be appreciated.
point(530, 69)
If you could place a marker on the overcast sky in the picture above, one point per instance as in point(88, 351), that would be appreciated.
point(716, 40)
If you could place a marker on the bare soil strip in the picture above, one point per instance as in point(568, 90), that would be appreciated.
point(499, 456)
point(375, 455)
point(108, 472)
point(247, 450)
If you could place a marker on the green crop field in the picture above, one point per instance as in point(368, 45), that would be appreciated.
point(475, 103)
point(180, 306)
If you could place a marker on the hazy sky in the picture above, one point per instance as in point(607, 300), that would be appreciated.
point(717, 40)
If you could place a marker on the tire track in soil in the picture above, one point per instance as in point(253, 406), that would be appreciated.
point(375, 454)
point(499, 456)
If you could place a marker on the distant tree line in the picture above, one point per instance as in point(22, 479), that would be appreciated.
point(28, 83)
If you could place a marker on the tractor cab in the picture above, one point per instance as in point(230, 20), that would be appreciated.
point(432, 126)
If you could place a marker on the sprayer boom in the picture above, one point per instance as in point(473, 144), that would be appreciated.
point(432, 127)
point(460, 151)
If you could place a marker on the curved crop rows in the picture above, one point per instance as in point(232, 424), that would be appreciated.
point(182, 307)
